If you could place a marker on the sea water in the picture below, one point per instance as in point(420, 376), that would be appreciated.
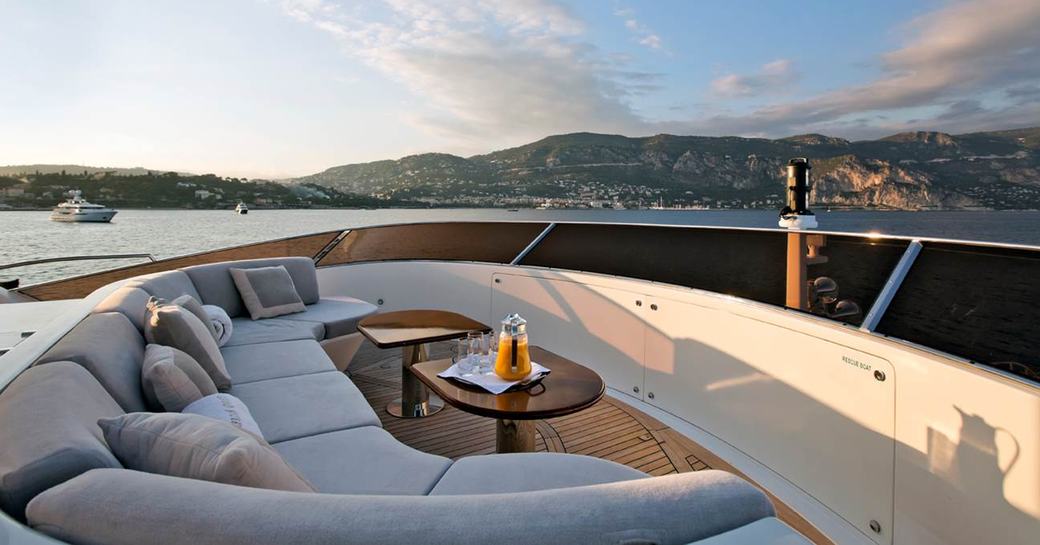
point(168, 233)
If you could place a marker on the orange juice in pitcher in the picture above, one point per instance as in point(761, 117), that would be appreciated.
point(514, 358)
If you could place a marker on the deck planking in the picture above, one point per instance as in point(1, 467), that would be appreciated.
point(610, 430)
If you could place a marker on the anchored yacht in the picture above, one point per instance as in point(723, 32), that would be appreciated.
point(762, 386)
point(77, 209)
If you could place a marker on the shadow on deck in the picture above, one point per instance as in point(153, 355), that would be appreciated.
point(609, 429)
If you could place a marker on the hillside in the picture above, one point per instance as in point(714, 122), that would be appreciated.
point(167, 190)
point(21, 170)
point(904, 171)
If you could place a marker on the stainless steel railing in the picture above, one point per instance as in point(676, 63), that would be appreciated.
point(74, 258)
point(12, 284)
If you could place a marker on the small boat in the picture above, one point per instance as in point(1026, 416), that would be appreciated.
point(76, 209)
point(241, 208)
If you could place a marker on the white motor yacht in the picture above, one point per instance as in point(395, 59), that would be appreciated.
point(76, 209)
point(241, 208)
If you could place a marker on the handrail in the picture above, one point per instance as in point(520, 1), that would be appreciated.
point(888, 291)
point(75, 258)
point(537, 240)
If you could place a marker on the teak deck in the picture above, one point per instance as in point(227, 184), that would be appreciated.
point(609, 429)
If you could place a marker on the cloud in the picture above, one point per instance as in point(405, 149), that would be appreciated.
point(489, 72)
point(643, 35)
point(492, 73)
point(955, 53)
point(772, 78)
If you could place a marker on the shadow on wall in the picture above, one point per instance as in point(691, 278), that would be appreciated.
point(973, 465)
point(954, 493)
point(957, 488)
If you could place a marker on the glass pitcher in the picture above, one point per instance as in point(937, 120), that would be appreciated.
point(514, 359)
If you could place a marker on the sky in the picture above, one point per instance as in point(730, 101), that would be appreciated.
point(280, 88)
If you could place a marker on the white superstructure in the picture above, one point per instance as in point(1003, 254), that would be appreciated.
point(77, 209)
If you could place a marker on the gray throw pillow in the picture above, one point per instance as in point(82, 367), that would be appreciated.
point(267, 291)
point(197, 447)
point(172, 325)
point(172, 379)
point(191, 305)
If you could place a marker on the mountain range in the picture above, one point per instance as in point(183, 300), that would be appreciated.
point(912, 170)
point(908, 171)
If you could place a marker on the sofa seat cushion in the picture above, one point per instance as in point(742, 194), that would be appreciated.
point(112, 349)
point(253, 362)
point(49, 432)
point(270, 330)
point(293, 407)
point(339, 315)
point(524, 472)
point(366, 460)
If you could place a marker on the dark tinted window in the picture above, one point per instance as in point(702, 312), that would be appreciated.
point(747, 264)
point(470, 241)
point(976, 302)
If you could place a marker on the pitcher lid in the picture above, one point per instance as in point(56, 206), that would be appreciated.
point(513, 324)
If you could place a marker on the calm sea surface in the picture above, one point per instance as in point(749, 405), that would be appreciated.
point(167, 233)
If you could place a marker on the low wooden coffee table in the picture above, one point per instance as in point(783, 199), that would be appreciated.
point(569, 388)
point(411, 330)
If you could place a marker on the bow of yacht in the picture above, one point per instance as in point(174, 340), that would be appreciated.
point(885, 391)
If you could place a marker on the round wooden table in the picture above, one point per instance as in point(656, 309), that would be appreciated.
point(569, 388)
point(411, 330)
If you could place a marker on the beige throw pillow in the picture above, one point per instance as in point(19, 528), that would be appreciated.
point(172, 380)
point(191, 305)
point(172, 325)
point(267, 291)
point(197, 447)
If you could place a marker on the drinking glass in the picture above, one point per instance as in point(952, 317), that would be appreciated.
point(463, 361)
point(483, 354)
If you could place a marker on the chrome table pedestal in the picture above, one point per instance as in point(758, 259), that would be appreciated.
point(416, 400)
point(411, 330)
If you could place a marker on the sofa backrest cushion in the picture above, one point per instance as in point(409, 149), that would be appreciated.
point(680, 508)
point(129, 301)
point(112, 349)
point(216, 287)
point(167, 285)
point(49, 432)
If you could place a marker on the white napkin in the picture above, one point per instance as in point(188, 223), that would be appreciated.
point(492, 382)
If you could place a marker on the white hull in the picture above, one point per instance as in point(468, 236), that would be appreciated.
point(84, 216)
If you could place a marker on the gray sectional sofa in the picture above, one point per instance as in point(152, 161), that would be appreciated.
point(58, 475)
